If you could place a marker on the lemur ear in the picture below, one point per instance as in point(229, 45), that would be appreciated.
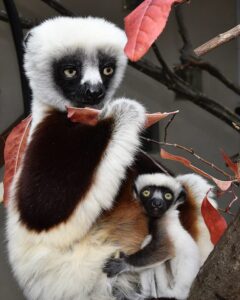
point(182, 196)
point(135, 191)
point(26, 38)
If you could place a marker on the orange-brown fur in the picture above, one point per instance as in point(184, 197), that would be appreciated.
point(189, 215)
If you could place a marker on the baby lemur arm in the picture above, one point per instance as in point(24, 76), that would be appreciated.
point(158, 250)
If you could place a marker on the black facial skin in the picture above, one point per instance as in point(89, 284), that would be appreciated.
point(156, 206)
point(84, 94)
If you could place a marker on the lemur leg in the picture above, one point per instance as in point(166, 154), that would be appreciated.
point(157, 251)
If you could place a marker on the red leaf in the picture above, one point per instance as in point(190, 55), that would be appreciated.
point(144, 25)
point(156, 117)
point(13, 151)
point(222, 185)
point(216, 224)
point(89, 116)
point(232, 166)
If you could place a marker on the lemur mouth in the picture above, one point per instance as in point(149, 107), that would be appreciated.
point(88, 103)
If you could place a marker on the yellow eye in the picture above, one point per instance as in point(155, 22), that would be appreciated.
point(168, 196)
point(146, 193)
point(108, 71)
point(70, 72)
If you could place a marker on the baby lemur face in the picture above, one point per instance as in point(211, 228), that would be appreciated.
point(156, 200)
point(158, 192)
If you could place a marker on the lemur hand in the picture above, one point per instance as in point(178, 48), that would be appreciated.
point(114, 266)
point(126, 111)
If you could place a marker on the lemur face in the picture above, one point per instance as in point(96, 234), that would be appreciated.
point(158, 192)
point(74, 61)
point(156, 200)
point(83, 78)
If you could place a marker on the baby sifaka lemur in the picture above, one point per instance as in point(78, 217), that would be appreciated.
point(169, 258)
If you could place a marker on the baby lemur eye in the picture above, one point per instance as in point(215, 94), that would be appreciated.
point(107, 71)
point(146, 193)
point(70, 72)
point(168, 196)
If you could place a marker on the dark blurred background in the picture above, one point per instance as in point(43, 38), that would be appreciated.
point(193, 127)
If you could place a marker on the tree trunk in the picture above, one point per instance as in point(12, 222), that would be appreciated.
point(219, 278)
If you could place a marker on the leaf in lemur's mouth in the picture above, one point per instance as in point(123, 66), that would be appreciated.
point(89, 116)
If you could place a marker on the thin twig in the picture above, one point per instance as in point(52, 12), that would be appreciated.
point(155, 162)
point(59, 8)
point(26, 23)
point(166, 127)
point(192, 152)
point(226, 212)
point(218, 41)
point(233, 200)
point(187, 49)
point(203, 65)
point(161, 60)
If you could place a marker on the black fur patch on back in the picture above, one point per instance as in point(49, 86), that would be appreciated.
point(58, 169)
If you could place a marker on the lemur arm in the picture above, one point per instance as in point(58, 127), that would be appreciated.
point(158, 250)
point(75, 170)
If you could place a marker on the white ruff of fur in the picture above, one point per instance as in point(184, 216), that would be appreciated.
point(66, 262)
point(62, 35)
point(159, 180)
point(185, 265)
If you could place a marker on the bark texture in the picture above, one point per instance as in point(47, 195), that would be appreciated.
point(219, 278)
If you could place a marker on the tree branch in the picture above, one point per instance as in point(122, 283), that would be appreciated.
point(187, 49)
point(218, 41)
point(26, 23)
point(59, 8)
point(219, 278)
point(212, 70)
point(185, 90)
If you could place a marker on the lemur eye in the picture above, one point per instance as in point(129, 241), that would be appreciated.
point(70, 72)
point(146, 193)
point(107, 71)
point(168, 196)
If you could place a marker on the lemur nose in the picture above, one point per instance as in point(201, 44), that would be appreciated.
point(156, 202)
point(94, 91)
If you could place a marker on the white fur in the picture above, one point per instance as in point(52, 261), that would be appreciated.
point(184, 265)
point(65, 262)
point(199, 188)
point(159, 179)
point(1, 192)
point(91, 74)
point(61, 35)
